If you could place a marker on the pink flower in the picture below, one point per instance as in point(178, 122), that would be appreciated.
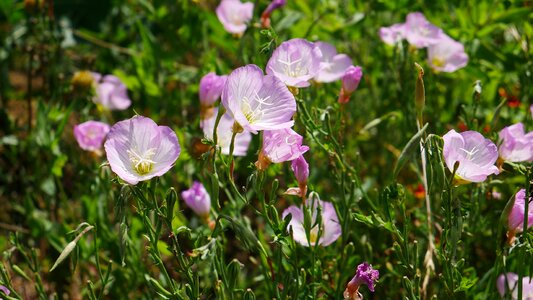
point(224, 133)
point(364, 274)
point(258, 102)
point(516, 146)
point(279, 146)
point(508, 283)
point(332, 65)
point(234, 15)
point(350, 82)
point(111, 93)
point(475, 154)
point(393, 34)
point(265, 16)
point(197, 199)
point(138, 150)
point(419, 32)
point(322, 234)
point(211, 86)
point(295, 62)
point(447, 55)
point(90, 135)
point(515, 220)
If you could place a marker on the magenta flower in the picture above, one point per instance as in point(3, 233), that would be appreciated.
point(364, 274)
point(90, 135)
point(516, 146)
point(512, 286)
point(211, 86)
point(197, 199)
point(324, 234)
point(332, 65)
point(111, 93)
point(295, 62)
point(447, 55)
point(279, 146)
point(475, 154)
point(515, 220)
point(138, 150)
point(350, 82)
point(224, 133)
point(419, 32)
point(393, 34)
point(258, 102)
point(265, 16)
point(235, 15)
point(300, 168)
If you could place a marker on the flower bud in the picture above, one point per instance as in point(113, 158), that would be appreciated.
point(197, 199)
point(515, 219)
point(350, 82)
point(300, 167)
point(211, 86)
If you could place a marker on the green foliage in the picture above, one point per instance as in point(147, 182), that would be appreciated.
point(365, 156)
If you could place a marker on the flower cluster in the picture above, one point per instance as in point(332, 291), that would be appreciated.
point(444, 53)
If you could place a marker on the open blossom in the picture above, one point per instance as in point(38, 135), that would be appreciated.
point(90, 135)
point(364, 274)
point(138, 149)
point(224, 133)
point(235, 15)
point(279, 146)
point(325, 234)
point(419, 32)
point(516, 146)
point(393, 34)
point(508, 283)
point(475, 154)
point(295, 62)
point(447, 55)
point(350, 82)
point(111, 93)
point(197, 199)
point(265, 16)
point(258, 102)
point(211, 86)
point(332, 65)
point(515, 219)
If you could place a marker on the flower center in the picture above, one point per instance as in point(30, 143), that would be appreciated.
point(438, 62)
point(471, 153)
point(293, 68)
point(254, 114)
point(142, 164)
point(313, 235)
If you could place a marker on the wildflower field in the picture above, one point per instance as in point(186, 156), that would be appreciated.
point(269, 149)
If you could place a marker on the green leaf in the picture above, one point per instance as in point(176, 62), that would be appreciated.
point(408, 149)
